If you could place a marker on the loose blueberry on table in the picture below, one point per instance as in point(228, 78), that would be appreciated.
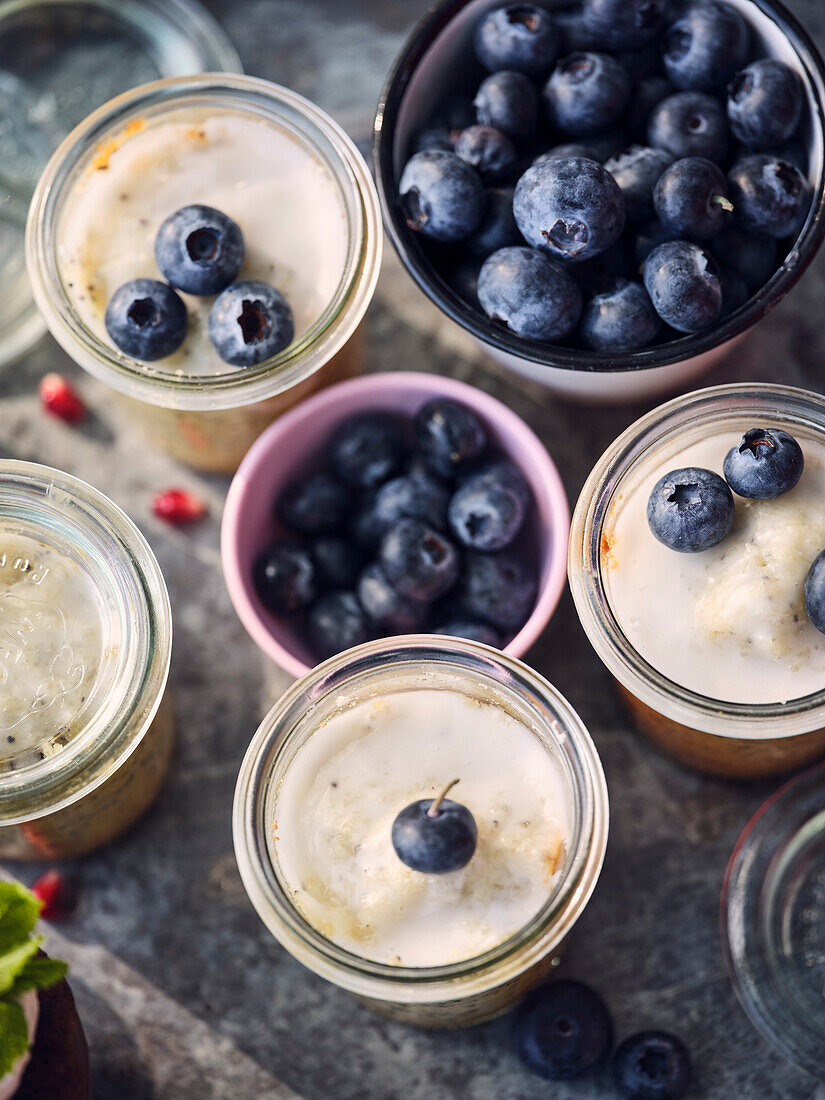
point(652, 1065)
point(563, 1030)
point(577, 116)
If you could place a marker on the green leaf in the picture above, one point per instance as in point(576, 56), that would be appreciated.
point(14, 1034)
point(14, 961)
point(19, 911)
point(38, 974)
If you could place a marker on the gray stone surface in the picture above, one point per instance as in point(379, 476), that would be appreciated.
point(167, 902)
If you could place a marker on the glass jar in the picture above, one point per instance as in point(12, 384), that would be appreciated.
point(475, 989)
point(85, 733)
point(725, 738)
point(209, 420)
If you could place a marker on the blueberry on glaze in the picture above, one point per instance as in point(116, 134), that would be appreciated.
point(449, 435)
point(690, 124)
point(249, 322)
point(508, 101)
point(586, 93)
point(418, 561)
point(764, 103)
point(562, 1031)
point(691, 199)
point(770, 196)
point(146, 319)
point(521, 37)
point(684, 285)
point(498, 589)
point(486, 512)
point(199, 250)
point(705, 46)
point(435, 835)
point(366, 450)
point(815, 592)
point(441, 196)
point(498, 228)
point(571, 208)
point(531, 294)
point(314, 505)
point(690, 509)
point(766, 463)
point(335, 623)
point(623, 24)
point(284, 577)
point(637, 172)
point(386, 606)
point(488, 150)
point(620, 318)
point(652, 1065)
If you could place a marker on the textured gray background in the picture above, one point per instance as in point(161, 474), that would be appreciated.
point(200, 1001)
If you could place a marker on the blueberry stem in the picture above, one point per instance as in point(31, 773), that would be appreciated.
point(436, 802)
point(720, 200)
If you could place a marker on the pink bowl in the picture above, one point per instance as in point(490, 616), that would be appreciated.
point(294, 444)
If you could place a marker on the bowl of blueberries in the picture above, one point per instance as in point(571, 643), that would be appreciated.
point(394, 503)
point(604, 193)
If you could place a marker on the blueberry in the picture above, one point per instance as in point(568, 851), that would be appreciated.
point(620, 318)
point(434, 137)
point(521, 37)
point(764, 103)
point(642, 62)
point(503, 472)
point(770, 197)
point(705, 46)
point(486, 512)
point(734, 291)
point(796, 153)
point(684, 286)
point(486, 149)
point(335, 623)
point(753, 258)
point(530, 293)
point(403, 497)
point(364, 526)
point(508, 101)
point(314, 505)
point(146, 319)
point(199, 250)
point(568, 149)
point(441, 196)
point(691, 199)
point(337, 562)
point(766, 463)
point(571, 208)
point(563, 1030)
point(498, 229)
point(366, 449)
point(600, 272)
point(575, 34)
point(386, 606)
point(472, 631)
point(418, 560)
point(284, 577)
point(637, 172)
point(815, 592)
point(497, 588)
point(647, 94)
point(652, 1065)
point(463, 278)
point(690, 124)
point(249, 322)
point(435, 835)
point(649, 235)
point(623, 24)
point(450, 436)
point(690, 510)
point(586, 93)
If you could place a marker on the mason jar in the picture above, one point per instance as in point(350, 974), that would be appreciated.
point(197, 407)
point(85, 637)
point(455, 993)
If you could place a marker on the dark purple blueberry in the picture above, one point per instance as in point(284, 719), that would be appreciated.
point(815, 592)
point(508, 101)
point(571, 208)
point(764, 103)
point(568, 149)
point(734, 291)
point(705, 46)
point(314, 505)
point(576, 36)
point(490, 152)
point(486, 512)
point(146, 319)
point(529, 293)
point(691, 199)
point(600, 272)
point(521, 37)
point(766, 463)
point(498, 229)
point(435, 835)
point(284, 577)
point(752, 258)
point(249, 322)
point(562, 1031)
point(642, 62)
point(472, 631)
point(684, 286)
point(497, 588)
point(337, 561)
point(620, 318)
point(649, 235)
point(637, 171)
point(770, 197)
point(386, 606)
point(652, 1065)
point(417, 560)
point(403, 497)
point(690, 509)
point(199, 250)
point(441, 196)
point(623, 24)
point(690, 124)
point(335, 623)
point(608, 144)
point(796, 154)
point(586, 93)
point(434, 137)
point(366, 449)
point(647, 94)
point(504, 472)
point(449, 436)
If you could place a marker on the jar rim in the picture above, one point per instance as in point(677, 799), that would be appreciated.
point(418, 984)
point(319, 133)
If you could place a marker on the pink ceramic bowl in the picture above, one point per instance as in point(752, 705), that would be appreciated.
point(294, 445)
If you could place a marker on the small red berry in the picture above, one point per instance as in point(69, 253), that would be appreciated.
point(50, 889)
point(60, 399)
point(178, 506)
